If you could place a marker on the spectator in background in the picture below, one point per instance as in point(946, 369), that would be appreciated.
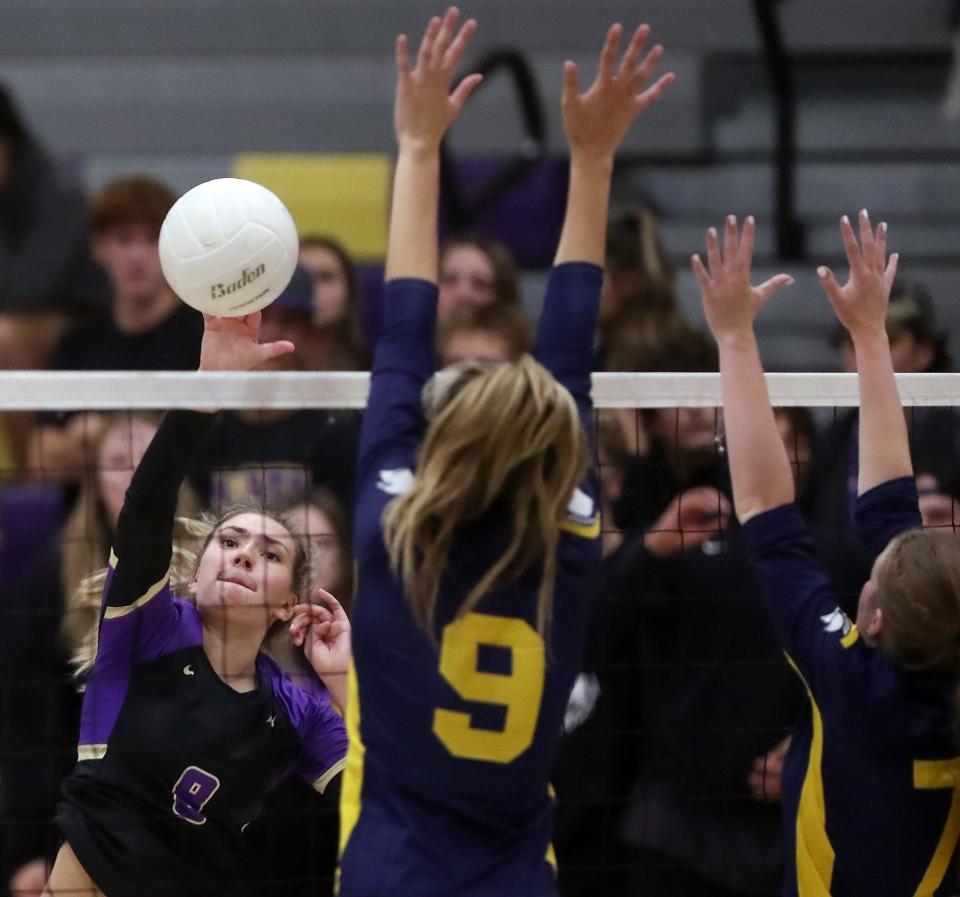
point(44, 623)
point(673, 446)
point(46, 273)
point(938, 502)
point(476, 270)
point(147, 328)
point(334, 343)
point(496, 332)
point(47, 277)
point(327, 528)
point(638, 306)
point(279, 456)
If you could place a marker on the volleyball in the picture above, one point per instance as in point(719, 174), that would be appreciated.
point(228, 247)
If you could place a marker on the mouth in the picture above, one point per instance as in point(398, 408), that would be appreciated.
point(238, 581)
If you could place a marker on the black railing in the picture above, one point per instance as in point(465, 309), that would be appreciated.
point(790, 235)
point(459, 210)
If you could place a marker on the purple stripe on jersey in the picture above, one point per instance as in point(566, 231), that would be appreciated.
point(161, 626)
point(323, 736)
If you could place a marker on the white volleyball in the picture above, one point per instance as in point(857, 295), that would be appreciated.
point(228, 247)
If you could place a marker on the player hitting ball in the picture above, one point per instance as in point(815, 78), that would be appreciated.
point(476, 531)
point(871, 783)
point(186, 723)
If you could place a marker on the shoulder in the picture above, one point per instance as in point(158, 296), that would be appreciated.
point(307, 704)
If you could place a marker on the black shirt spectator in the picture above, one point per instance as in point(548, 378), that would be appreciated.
point(98, 344)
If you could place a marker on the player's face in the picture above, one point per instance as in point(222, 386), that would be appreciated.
point(330, 293)
point(467, 277)
point(130, 253)
point(246, 570)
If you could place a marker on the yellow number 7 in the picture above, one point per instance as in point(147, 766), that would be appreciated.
point(937, 774)
point(519, 691)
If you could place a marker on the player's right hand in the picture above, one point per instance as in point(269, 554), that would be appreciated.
point(233, 344)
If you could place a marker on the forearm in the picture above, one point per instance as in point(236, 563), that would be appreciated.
point(336, 684)
point(143, 542)
point(412, 247)
point(884, 448)
point(584, 231)
point(759, 466)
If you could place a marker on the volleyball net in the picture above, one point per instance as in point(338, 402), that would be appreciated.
point(668, 772)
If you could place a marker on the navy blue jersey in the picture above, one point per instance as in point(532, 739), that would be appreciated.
point(452, 741)
point(173, 762)
point(870, 784)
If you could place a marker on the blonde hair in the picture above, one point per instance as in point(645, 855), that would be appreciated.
point(509, 435)
point(191, 537)
point(919, 594)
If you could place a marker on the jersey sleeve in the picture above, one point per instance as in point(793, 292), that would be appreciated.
point(403, 362)
point(823, 645)
point(886, 511)
point(323, 737)
point(567, 328)
point(138, 613)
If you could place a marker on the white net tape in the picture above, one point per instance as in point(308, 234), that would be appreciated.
point(48, 391)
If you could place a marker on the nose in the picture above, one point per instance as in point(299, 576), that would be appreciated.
point(242, 559)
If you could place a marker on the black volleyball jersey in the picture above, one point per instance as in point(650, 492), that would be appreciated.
point(173, 762)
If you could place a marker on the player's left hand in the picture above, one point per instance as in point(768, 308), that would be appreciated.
point(233, 344)
point(861, 303)
point(324, 634)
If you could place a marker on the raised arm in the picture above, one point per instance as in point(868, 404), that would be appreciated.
point(425, 107)
point(595, 123)
point(405, 355)
point(759, 466)
point(142, 545)
point(861, 307)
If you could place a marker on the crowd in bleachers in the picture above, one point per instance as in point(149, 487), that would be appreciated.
point(668, 777)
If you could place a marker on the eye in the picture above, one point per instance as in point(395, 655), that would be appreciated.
point(228, 542)
point(271, 556)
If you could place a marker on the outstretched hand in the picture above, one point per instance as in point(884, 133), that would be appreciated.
point(730, 302)
point(861, 304)
point(324, 634)
point(233, 344)
point(597, 121)
point(425, 106)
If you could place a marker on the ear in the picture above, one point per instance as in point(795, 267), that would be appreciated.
point(192, 585)
point(876, 624)
point(285, 611)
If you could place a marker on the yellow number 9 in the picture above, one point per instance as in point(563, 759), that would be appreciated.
point(519, 692)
